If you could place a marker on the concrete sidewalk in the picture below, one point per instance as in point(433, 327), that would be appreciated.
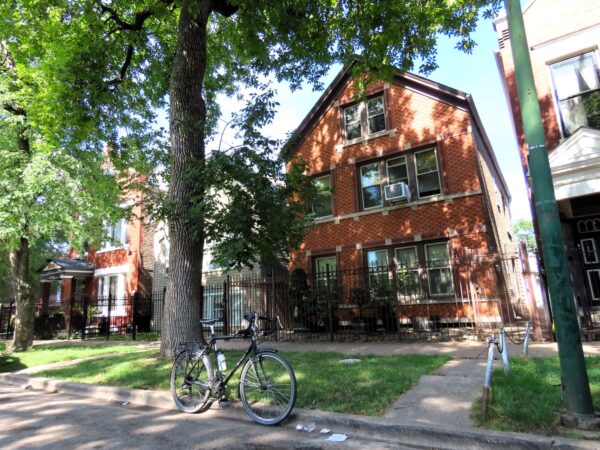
point(435, 411)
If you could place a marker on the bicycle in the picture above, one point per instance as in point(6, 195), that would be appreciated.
point(267, 386)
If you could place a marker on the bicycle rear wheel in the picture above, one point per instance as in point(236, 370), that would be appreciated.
point(191, 380)
point(268, 388)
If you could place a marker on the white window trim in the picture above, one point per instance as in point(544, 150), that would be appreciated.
point(366, 106)
point(363, 114)
point(585, 254)
point(588, 272)
point(555, 100)
point(120, 294)
point(437, 165)
point(109, 246)
point(114, 270)
point(428, 262)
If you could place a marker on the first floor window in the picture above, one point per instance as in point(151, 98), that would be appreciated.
point(439, 271)
point(407, 269)
point(588, 248)
point(379, 274)
point(326, 271)
point(594, 284)
point(55, 293)
point(111, 290)
point(428, 177)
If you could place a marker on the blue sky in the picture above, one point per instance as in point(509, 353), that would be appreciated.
point(475, 73)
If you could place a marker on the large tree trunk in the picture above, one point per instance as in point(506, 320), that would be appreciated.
point(25, 314)
point(187, 117)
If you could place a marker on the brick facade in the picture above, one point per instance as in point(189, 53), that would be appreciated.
point(419, 115)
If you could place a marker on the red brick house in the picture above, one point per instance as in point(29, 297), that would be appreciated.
point(563, 41)
point(111, 274)
point(413, 195)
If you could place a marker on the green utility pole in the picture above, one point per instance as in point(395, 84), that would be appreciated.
point(575, 383)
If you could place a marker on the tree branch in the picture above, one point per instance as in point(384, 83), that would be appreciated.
point(124, 67)
point(223, 7)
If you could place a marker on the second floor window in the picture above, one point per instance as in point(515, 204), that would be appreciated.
point(364, 118)
point(322, 205)
point(428, 176)
point(115, 235)
point(375, 176)
point(577, 92)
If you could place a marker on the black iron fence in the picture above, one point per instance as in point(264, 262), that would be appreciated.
point(7, 313)
point(439, 299)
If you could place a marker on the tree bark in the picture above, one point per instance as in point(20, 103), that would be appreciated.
point(25, 304)
point(187, 118)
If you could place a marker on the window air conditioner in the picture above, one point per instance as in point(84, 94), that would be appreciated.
point(397, 192)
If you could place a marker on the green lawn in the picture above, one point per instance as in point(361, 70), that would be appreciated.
point(368, 387)
point(527, 399)
point(46, 354)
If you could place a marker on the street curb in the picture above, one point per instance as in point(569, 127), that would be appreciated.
point(422, 435)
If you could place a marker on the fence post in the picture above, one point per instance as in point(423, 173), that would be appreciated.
point(135, 315)
point(225, 306)
point(108, 318)
point(526, 341)
point(84, 305)
point(329, 310)
point(10, 308)
point(71, 300)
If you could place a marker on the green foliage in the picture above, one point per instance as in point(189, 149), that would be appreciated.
point(524, 232)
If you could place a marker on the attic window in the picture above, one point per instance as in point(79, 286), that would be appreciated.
point(364, 119)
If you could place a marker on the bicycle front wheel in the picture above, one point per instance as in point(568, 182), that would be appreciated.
point(268, 388)
point(191, 380)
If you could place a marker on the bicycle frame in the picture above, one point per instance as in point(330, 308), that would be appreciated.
point(212, 346)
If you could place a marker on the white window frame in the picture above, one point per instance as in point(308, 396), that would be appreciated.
point(363, 119)
point(447, 266)
point(368, 125)
point(585, 253)
point(589, 278)
point(417, 174)
point(118, 309)
point(316, 180)
point(555, 99)
point(115, 243)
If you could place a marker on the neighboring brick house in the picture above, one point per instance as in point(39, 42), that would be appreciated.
point(563, 39)
point(413, 183)
point(121, 267)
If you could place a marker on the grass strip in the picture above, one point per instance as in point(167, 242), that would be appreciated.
point(526, 400)
point(47, 354)
point(368, 387)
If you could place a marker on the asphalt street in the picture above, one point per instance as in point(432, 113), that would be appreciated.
point(32, 419)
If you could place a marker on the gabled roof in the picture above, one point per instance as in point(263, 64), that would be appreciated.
point(58, 268)
point(440, 91)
